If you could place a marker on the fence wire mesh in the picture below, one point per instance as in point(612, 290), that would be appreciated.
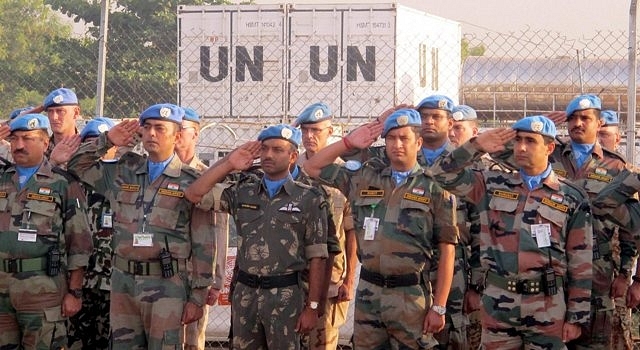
point(266, 65)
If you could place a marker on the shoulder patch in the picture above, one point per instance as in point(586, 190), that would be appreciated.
point(67, 175)
point(613, 154)
point(352, 165)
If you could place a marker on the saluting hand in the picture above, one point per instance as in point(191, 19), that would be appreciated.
point(64, 149)
point(365, 135)
point(557, 117)
point(5, 131)
point(494, 140)
point(242, 157)
point(124, 133)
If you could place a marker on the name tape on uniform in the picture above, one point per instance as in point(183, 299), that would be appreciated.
point(249, 206)
point(416, 198)
point(562, 207)
point(170, 193)
point(560, 172)
point(130, 187)
point(506, 194)
point(39, 197)
point(372, 193)
point(603, 178)
point(3, 194)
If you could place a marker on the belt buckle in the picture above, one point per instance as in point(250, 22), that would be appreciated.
point(264, 282)
point(11, 265)
point(390, 282)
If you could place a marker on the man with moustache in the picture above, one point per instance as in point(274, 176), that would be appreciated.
point(45, 245)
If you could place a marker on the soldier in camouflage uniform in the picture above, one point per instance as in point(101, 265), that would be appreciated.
point(590, 166)
point(315, 124)
point(282, 228)
point(89, 328)
point(46, 242)
point(401, 216)
point(63, 111)
point(437, 117)
point(195, 336)
point(163, 245)
point(5, 146)
point(535, 239)
point(609, 137)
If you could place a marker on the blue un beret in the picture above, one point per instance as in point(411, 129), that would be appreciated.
point(282, 131)
point(401, 118)
point(16, 112)
point(609, 118)
point(314, 113)
point(28, 122)
point(437, 102)
point(191, 115)
point(464, 112)
point(95, 127)
point(60, 97)
point(583, 102)
point(163, 111)
point(537, 124)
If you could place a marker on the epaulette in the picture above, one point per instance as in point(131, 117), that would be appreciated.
point(375, 163)
point(577, 188)
point(306, 186)
point(190, 171)
point(67, 175)
point(131, 158)
point(614, 154)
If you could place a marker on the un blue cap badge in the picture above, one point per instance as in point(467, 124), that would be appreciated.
point(584, 103)
point(58, 99)
point(286, 133)
point(442, 103)
point(33, 123)
point(165, 112)
point(536, 126)
point(402, 120)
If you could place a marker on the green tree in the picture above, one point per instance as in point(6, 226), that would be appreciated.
point(141, 50)
point(34, 43)
point(468, 50)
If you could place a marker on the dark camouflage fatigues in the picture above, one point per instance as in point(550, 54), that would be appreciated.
point(414, 218)
point(512, 318)
point(146, 308)
point(276, 237)
point(89, 328)
point(54, 206)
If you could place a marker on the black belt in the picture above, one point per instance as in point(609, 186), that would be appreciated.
point(267, 282)
point(390, 281)
point(524, 287)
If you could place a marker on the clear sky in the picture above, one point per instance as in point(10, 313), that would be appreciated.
point(574, 18)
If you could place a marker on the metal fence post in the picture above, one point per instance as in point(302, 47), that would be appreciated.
point(102, 56)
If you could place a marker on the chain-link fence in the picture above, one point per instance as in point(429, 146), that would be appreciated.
point(243, 68)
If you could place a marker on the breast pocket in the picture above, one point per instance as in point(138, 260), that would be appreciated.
point(166, 212)
point(5, 212)
point(40, 215)
point(126, 210)
point(502, 211)
point(364, 207)
point(556, 220)
point(415, 218)
point(594, 187)
point(247, 221)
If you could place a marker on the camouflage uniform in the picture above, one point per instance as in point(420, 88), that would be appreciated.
point(30, 300)
point(596, 173)
point(326, 333)
point(414, 218)
point(516, 312)
point(454, 335)
point(195, 332)
point(276, 238)
point(89, 328)
point(146, 308)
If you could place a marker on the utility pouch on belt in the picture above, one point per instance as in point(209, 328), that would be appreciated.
point(166, 265)
point(53, 261)
point(549, 282)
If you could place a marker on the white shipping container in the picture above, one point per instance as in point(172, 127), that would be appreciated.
point(270, 61)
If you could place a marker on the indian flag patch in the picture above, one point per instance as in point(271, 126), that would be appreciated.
point(173, 186)
point(557, 198)
point(44, 190)
point(418, 190)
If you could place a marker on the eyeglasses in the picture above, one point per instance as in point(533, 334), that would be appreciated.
point(312, 131)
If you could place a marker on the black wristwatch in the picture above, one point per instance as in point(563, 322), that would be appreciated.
point(77, 293)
